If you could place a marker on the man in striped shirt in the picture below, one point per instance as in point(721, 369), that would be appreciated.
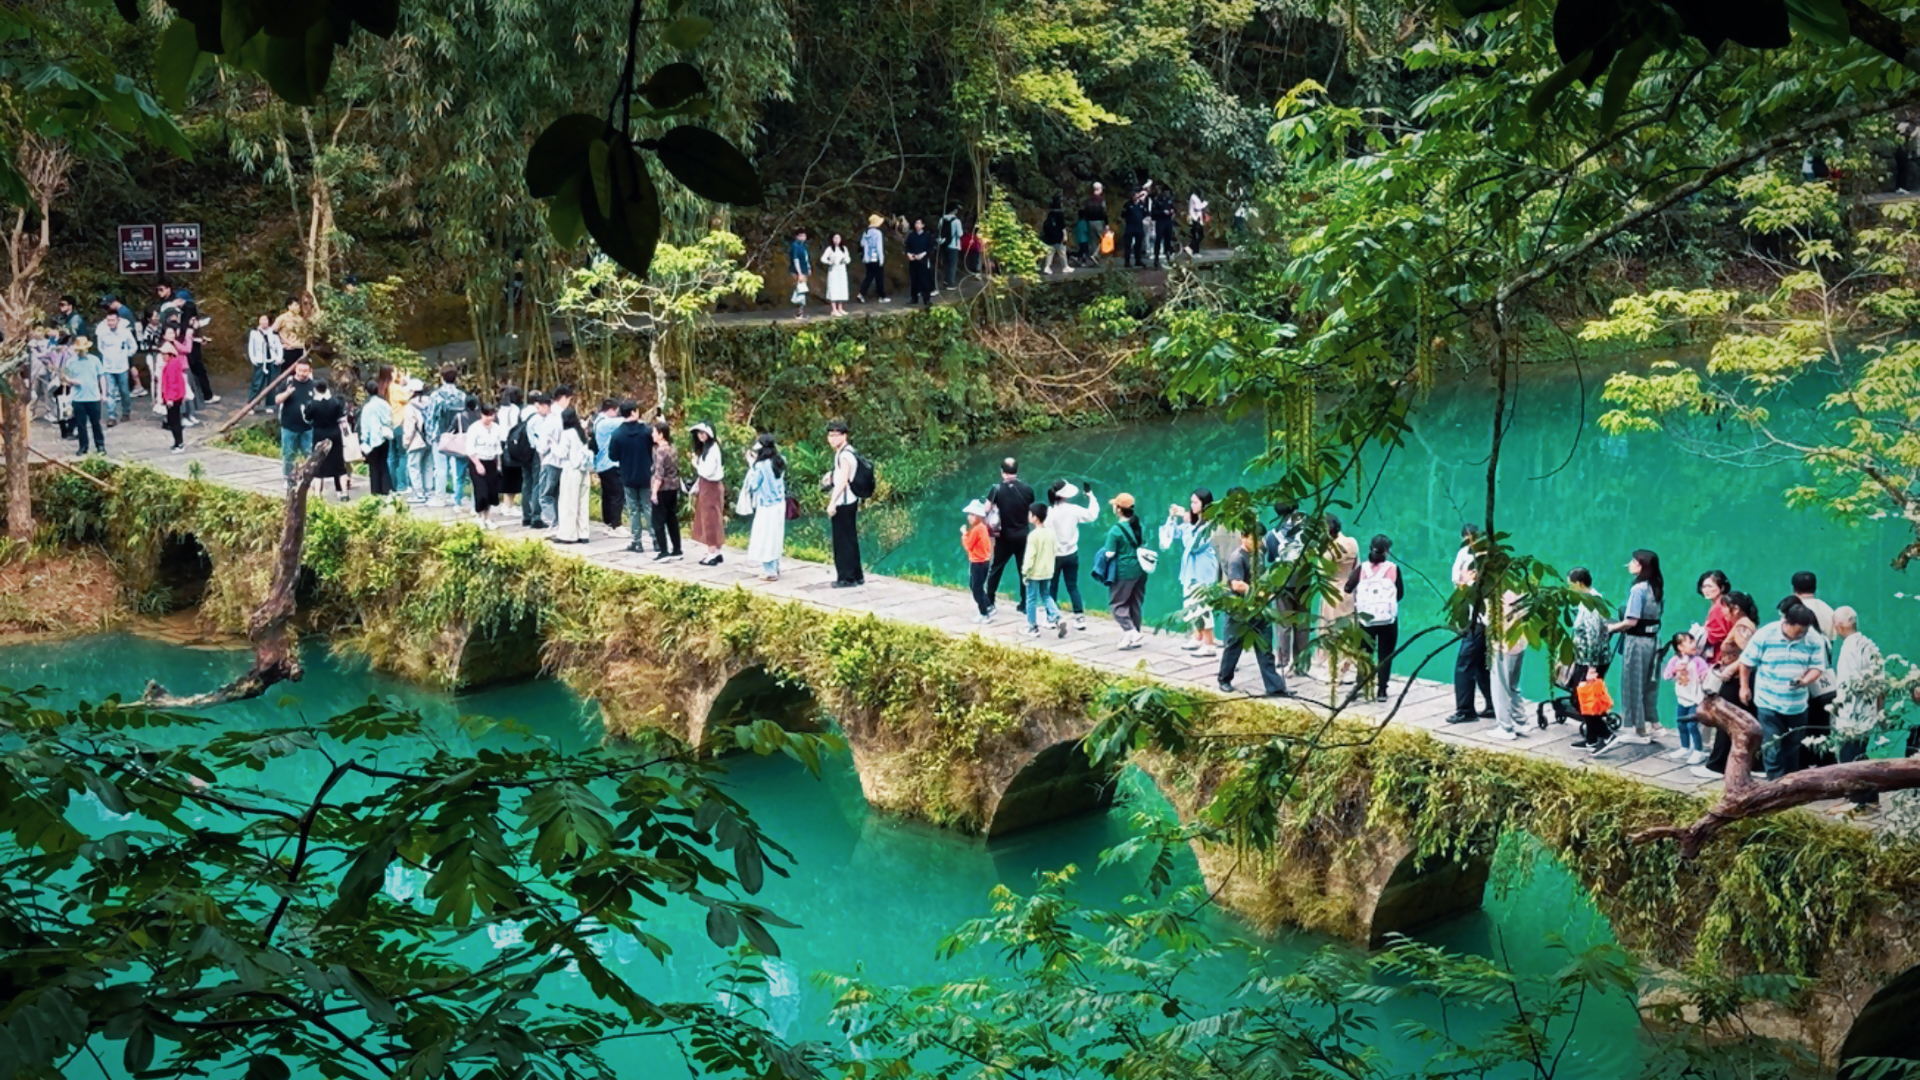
point(1783, 659)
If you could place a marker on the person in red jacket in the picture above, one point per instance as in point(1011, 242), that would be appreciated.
point(978, 543)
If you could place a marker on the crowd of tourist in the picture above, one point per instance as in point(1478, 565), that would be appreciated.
point(1149, 226)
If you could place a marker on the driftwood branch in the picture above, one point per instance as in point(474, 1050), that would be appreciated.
point(276, 655)
point(87, 476)
point(1746, 797)
point(247, 409)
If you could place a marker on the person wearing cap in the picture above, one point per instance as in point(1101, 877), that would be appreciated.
point(1064, 518)
point(977, 542)
point(1129, 579)
point(88, 379)
point(873, 257)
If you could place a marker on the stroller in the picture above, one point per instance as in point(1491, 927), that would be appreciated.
point(1589, 704)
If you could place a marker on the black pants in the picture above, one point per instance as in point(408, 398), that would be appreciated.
point(920, 282)
point(977, 582)
point(1066, 568)
point(379, 470)
point(86, 414)
point(1008, 548)
point(1163, 242)
point(875, 275)
point(1819, 726)
point(666, 521)
point(1136, 253)
point(1722, 742)
point(486, 485)
point(613, 499)
point(173, 420)
point(1261, 634)
point(530, 492)
point(1470, 670)
point(846, 544)
point(1385, 638)
point(198, 366)
point(1196, 235)
point(949, 267)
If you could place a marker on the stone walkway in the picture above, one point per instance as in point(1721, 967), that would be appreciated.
point(1426, 703)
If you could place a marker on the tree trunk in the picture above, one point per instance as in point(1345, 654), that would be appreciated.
point(659, 365)
point(44, 165)
point(1744, 797)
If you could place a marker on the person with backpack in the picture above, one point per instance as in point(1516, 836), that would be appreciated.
point(1126, 578)
point(1053, 233)
point(1377, 589)
point(507, 417)
point(1241, 574)
point(631, 448)
point(1007, 506)
point(848, 482)
point(1285, 543)
point(950, 233)
point(443, 410)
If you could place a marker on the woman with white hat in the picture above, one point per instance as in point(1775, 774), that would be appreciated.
point(709, 494)
point(1065, 518)
point(977, 541)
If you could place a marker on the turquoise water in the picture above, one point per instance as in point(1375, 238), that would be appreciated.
point(1568, 493)
point(871, 894)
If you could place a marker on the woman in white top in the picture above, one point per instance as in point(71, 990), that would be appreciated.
point(709, 494)
point(1065, 519)
point(376, 431)
point(575, 462)
point(766, 487)
point(1196, 223)
point(835, 259)
point(486, 443)
point(1377, 589)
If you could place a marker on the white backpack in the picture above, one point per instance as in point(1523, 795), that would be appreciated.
point(1375, 595)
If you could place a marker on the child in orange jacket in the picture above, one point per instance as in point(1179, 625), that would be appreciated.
point(978, 544)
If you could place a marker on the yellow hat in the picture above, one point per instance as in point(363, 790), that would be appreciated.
point(874, 220)
point(1122, 501)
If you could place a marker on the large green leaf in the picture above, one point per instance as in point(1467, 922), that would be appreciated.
point(1825, 21)
point(563, 215)
point(687, 31)
point(1593, 27)
point(174, 63)
point(709, 165)
point(239, 21)
point(561, 152)
point(672, 85)
point(630, 233)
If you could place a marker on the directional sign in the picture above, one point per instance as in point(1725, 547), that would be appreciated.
point(180, 248)
point(138, 254)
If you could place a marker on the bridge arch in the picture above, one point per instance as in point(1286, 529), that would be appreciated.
point(1885, 1026)
point(756, 693)
point(1423, 890)
point(1057, 782)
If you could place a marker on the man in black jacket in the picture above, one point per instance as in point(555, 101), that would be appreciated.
point(1012, 498)
point(1162, 207)
point(1135, 217)
point(631, 448)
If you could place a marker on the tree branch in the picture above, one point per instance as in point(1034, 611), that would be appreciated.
point(1744, 797)
point(276, 657)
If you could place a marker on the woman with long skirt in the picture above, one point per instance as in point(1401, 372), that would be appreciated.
point(575, 463)
point(709, 494)
point(1639, 628)
point(767, 489)
point(328, 415)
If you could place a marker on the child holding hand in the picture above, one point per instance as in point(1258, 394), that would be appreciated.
point(1688, 671)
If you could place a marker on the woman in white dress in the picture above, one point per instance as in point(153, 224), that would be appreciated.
point(835, 259)
point(569, 453)
point(766, 487)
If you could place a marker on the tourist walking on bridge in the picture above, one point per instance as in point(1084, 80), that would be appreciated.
point(1036, 573)
point(1819, 749)
point(665, 494)
point(327, 415)
point(1377, 588)
point(631, 448)
point(115, 339)
point(1127, 578)
point(1470, 659)
point(977, 542)
point(873, 259)
point(1778, 667)
point(1199, 571)
point(709, 493)
point(950, 234)
point(376, 432)
point(413, 441)
point(1592, 656)
point(172, 384)
point(1008, 502)
point(799, 264)
point(86, 380)
point(266, 357)
point(1065, 517)
point(1509, 654)
point(1860, 707)
point(1639, 628)
point(843, 507)
point(1053, 233)
point(1241, 575)
point(1284, 545)
point(573, 460)
point(296, 434)
point(1338, 610)
point(1725, 677)
point(1093, 223)
point(485, 443)
point(766, 488)
point(1134, 216)
point(920, 264)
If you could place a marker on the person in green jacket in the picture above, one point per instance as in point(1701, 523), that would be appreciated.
point(1036, 570)
point(1129, 579)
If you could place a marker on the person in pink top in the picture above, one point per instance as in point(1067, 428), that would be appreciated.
point(173, 382)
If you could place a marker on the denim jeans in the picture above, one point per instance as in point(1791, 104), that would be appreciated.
point(1780, 747)
point(419, 469)
point(397, 462)
point(86, 416)
point(256, 382)
point(549, 494)
point(448, 471)
point(1470, 670)
point(638, 500)
point(294, 446)
point(1037, 598)
point(119, 403)
point(1689, 727)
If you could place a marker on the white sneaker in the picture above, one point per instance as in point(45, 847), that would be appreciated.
point(1189, 645)
point(1676, 755)
point(1704, 773)
point(1503, 735)
point(1031, 631)
point(1636, 739)
point(1205, 651)
point(1695, 757)
point(214, 400)
point(1079, 622)
point(190, 422)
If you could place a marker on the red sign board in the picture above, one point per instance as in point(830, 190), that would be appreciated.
point(180, 248)
point(137, 249)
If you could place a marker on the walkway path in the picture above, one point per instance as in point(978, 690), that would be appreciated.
point(1426, 704)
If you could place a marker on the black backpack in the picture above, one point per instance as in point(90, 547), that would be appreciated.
point(519, 446)
point(862, 484)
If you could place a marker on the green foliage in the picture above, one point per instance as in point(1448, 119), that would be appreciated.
point(362, 324)
point(1863, 445)
point(172, 888)
point(1077, 992)
point(1015, 247)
